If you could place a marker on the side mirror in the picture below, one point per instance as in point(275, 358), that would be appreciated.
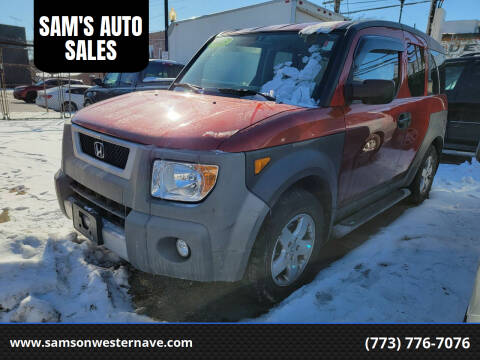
point(98, 81)
point(371, 91)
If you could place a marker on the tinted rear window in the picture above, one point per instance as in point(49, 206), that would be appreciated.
point(157, 70)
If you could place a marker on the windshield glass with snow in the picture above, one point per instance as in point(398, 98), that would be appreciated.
point(285, 66)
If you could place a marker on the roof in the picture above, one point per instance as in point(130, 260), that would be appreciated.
point(466, 57)
point(341, 25)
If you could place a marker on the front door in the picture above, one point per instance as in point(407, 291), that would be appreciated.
point(370, 154)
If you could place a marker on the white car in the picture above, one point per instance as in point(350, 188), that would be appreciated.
point(473, 310)
point(69, 99)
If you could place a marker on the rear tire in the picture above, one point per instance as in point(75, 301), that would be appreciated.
point(423, 181)
point(287, 248)
point(31, 97)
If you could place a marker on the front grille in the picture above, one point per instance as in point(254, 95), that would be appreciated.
point(108, 209)
point(113, 154)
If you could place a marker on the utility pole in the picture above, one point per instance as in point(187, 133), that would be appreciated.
point(166, 25)
point(337, 6)
point(431, 15)
point(401, 10)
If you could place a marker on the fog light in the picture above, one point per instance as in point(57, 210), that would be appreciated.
point(182, 248)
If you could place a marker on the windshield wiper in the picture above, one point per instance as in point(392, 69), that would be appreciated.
point(188, 86)
point(245, 92)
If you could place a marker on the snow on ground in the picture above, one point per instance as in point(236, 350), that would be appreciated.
point(418, 269)
point(47, 273)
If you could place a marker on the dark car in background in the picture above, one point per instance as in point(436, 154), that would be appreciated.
point(461, 78)
point(159, 74)
point(28, 93)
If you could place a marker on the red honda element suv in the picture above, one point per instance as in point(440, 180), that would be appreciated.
point(270, 142)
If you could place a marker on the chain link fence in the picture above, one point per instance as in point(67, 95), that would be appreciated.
point(26, 93)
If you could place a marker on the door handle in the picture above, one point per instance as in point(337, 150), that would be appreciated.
point(404, 120)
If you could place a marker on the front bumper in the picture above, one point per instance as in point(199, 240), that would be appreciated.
point(220, 230)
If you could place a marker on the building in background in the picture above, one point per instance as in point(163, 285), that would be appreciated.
point(14, 56)
point(460, 37)
point(187, 36)
point(156, 43)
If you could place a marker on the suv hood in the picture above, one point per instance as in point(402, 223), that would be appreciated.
point(179, 120)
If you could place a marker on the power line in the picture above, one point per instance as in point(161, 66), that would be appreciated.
point(385, 7)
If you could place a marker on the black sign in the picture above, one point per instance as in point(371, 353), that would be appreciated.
point(239, 341)
point(91, 36)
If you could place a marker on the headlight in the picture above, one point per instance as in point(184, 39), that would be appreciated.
point(182, 181)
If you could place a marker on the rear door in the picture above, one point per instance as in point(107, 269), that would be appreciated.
point(370, 154)
point(462, 85)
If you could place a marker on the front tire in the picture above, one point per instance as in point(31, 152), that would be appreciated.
point(287, 247)
point(423, 181)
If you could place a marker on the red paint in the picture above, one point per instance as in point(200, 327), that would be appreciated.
point(179, 120)
point(360, 171)
point(204, 122)
point(287, 128)
point(20, 92)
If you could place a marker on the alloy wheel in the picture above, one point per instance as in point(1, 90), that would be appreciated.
point(293, 249)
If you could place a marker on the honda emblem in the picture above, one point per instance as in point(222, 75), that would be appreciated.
point(99, 149)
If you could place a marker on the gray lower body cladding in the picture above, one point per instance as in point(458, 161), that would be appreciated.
point(219, 230)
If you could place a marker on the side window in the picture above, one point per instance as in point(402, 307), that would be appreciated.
point(468, 87)
point(111, 79)
point(52, 82)
point(433, 86)
point(173, 70)
point(416, 70)
point(78, 91)
point(452, 73)
point(377, 64)
point(127, 79)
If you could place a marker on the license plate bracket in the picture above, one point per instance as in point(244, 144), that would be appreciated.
point(88, 222)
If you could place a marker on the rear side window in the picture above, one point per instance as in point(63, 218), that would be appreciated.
point(416, 70)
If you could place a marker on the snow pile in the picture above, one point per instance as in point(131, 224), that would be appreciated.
point(292, 86)
point(47, 272)
point(420, 268)
point(32, 309)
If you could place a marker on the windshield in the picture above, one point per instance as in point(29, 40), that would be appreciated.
point(286, 66)
point(38, 83)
